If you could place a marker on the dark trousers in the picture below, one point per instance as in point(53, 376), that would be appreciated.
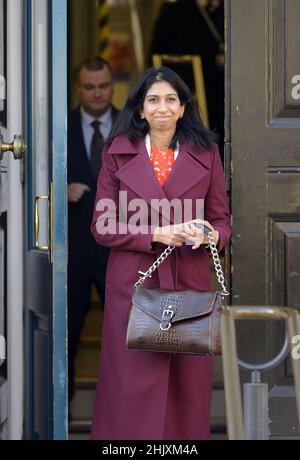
point(81, 276)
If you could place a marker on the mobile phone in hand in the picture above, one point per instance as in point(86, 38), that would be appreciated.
point(203, 227)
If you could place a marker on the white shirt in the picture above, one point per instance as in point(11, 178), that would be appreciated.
point(148, 147)
point(88, 130)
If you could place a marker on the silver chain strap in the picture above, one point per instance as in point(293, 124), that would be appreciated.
point(167, 252)
point(154, 266)
point(217, 263)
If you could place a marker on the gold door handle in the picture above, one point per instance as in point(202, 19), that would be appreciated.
point(17, 146)
point(37, 222)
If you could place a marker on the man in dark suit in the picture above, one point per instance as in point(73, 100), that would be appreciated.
point(89, 126)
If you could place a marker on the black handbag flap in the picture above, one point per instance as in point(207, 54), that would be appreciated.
point(183, 304)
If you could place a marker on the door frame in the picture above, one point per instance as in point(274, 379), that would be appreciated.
point(45, 299)
point(59, 109)
point(15, 125)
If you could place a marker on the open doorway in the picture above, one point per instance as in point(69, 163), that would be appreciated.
point(128, 33)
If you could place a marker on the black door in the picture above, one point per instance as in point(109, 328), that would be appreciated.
point(263, 142)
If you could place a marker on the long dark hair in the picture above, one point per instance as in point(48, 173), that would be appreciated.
point(190, 129)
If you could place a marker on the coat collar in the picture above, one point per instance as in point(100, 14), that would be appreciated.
point(137, 173)
point(121, 144)
point(190, 168)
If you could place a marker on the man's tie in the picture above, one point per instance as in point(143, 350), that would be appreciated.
point(96, 149)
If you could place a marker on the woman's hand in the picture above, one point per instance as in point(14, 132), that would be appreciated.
point(177, 235)
point(199, 237)
point(174, 235)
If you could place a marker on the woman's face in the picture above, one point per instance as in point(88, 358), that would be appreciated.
point(162, 107)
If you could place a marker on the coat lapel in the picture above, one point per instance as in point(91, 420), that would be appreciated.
point(137, 173)
point(190, 167)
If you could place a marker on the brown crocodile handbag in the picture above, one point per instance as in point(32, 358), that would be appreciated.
point(176, 321)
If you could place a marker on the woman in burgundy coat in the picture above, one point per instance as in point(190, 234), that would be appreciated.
point(159, 151)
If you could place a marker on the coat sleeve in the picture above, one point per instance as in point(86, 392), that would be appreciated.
point(106, 226)
point(216, 209)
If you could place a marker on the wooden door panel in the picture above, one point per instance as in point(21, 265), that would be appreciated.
point(265, 184)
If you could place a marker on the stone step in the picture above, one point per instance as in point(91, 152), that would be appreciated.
point(93, 323)
point(80, 430)
point(81, 436)
point(217, 372)
point(90, 342)
point(81, 406)
point(217, 411)
point(85, 383)
point(87, 362)
point(80, 425)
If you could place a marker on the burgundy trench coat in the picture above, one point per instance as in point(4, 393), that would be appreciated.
point(145, 395)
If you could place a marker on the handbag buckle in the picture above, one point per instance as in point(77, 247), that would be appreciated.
point(167, 315)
